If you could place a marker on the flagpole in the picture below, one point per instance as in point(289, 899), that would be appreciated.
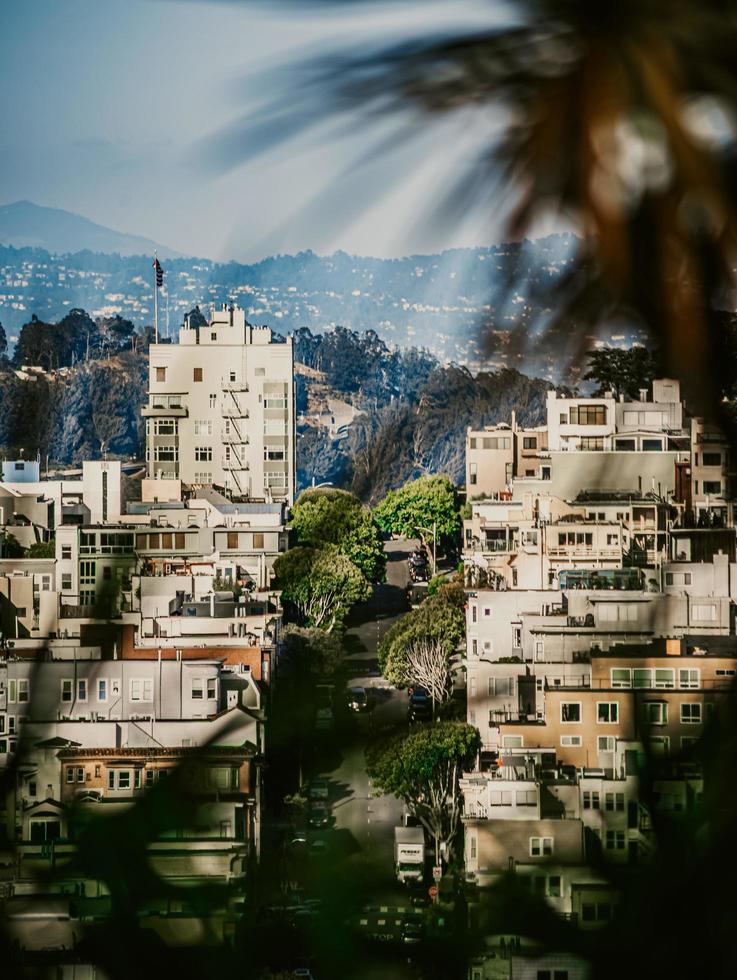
point(156, 299)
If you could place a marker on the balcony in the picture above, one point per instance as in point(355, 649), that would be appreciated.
point(233, 463)
point(229, 385)
point(583, 551)
point(164, 406)
point(234, 411)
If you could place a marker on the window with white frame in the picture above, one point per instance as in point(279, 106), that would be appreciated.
point(541, 846)
point(525, 797)
point(664, 677)
point(591, 800)
point(203, 427)
point(691, 713)
point(615, 840)
point(203, 454)
point(689, 678)
point(621, 677)
point(655, 712)
point(614, 802)
point(516, 635)
point(102, 689)
point(605, 743)
point(141, 689)
point(571, 741)
point(642, 677)
point(18, 690)
point(704, 612)
point(512, 741)
point(82, 689)
point(659, 744)
point(67, 690)
point(570, 712)
point(500, 797)
point(607, 712)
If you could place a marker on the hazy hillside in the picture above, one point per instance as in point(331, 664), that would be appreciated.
point(369, 416)
point(27, 225)
point(438, 302)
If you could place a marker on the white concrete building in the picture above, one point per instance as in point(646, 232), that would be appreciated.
point(221, 409)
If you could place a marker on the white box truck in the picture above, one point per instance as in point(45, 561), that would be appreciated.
point(409, 853)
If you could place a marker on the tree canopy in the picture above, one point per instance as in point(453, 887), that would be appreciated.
point(423, 769)
point(418, 506)
point(439, 620)
point(319, 585)
point(316, 652)
point(330, 516)
point(622, 371)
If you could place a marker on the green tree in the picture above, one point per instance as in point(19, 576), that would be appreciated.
point(319, 585)
point(10, 547)
point(3, 341)
point(437, 624)
point(622, 371)
point(42, 549)
point(329, 516)
point(423, 769)
point(427, 505)
point(316, 652)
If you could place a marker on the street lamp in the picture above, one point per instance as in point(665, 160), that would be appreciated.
point(426, 530)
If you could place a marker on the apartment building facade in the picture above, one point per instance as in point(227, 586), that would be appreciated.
point(221, 409)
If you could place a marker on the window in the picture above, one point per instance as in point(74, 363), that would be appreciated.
point(66, 691)
point(529, 442)
point(512, 741)
point(614, 801)
point(258, 540)
point(213, 401)
point(232, 539)
point(571, 741)
point(211, 687)
point(664, 677)
point(81, 689)
point(724, 673)
point(570, 711)
point(136, 779)
point(704, 612)
point(592, 443)
point(160, 373)
point(642, 677)
point(165, 427)
point(607, 712)
point(197, 374)
point(712, 459)
point(66, 581)
point(621, 677)
point(605, 743)
point(80, 774)
point(526, 797)
point(713, 486)
point(614, 840)
point(691, 713)
point(625, 445)
point(102, 689)
point(142, 689)
point(652, 445)
point(66, 552)
point(32, 787)
point(203, 427)
point(591, 800)
point(541, 846)
point(516, 636)
point(70, 774)
point(149, 777)
point(656, 712)
point(689, 677)
point(499, 797)
point(18, 690)
point(198, 689)
point(203, 454)
point(124, 779)
point(588, 415)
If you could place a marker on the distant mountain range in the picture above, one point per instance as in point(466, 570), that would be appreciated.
point(24, 224)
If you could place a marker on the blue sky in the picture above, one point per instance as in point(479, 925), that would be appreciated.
point(110, 109)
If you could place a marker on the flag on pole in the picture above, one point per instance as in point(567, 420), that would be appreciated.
point(159, 274)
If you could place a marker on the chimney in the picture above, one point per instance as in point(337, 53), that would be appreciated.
point(643, 394)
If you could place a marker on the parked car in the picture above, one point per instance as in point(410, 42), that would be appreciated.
point(420, 706)
point(358, 699)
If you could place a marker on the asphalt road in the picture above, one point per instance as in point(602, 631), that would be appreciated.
point(364, 820)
